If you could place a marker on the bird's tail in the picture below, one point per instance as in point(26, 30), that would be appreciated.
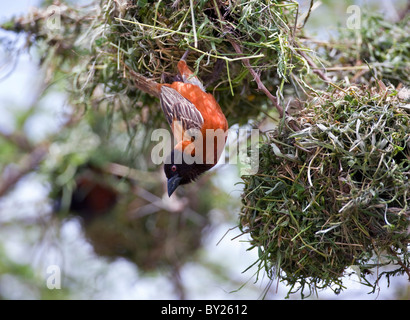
point(154, 88)
point(145, 84)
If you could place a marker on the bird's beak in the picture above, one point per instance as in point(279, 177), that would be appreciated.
point(173, 183)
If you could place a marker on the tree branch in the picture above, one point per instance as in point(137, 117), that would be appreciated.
point(315, 68)
point(257, 79)
point(11, 175)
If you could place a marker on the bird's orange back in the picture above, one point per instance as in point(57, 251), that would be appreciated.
point(205, 103)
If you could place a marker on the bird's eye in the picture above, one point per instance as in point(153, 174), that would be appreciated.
point(174, 168)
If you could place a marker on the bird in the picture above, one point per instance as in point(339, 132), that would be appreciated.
point(197, 121)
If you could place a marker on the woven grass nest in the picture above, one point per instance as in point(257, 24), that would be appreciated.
point(334, 194)
point(119, 207)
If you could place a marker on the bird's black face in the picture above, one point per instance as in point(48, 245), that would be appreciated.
point(175, 175)
point(181, 173)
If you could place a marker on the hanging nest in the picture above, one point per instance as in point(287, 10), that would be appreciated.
point(379, 49)
point(334, 194)
point(120, 208)
point(135, 225)
point(121, 219)
point(219, 35)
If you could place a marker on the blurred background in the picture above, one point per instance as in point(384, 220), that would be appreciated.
point(194, 253)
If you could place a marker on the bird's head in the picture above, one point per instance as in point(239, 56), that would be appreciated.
point(179, 172)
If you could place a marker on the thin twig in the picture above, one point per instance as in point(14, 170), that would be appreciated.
point(315, 68)
point(17, 139)
point(258, 80)
point(191, 5)
point(11, 176)
point(307, 15)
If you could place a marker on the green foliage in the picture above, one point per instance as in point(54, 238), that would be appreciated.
point(28, 280)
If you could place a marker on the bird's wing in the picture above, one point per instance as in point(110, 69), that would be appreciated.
point(180, 113)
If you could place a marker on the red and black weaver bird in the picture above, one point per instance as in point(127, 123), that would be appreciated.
point(190, 112)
